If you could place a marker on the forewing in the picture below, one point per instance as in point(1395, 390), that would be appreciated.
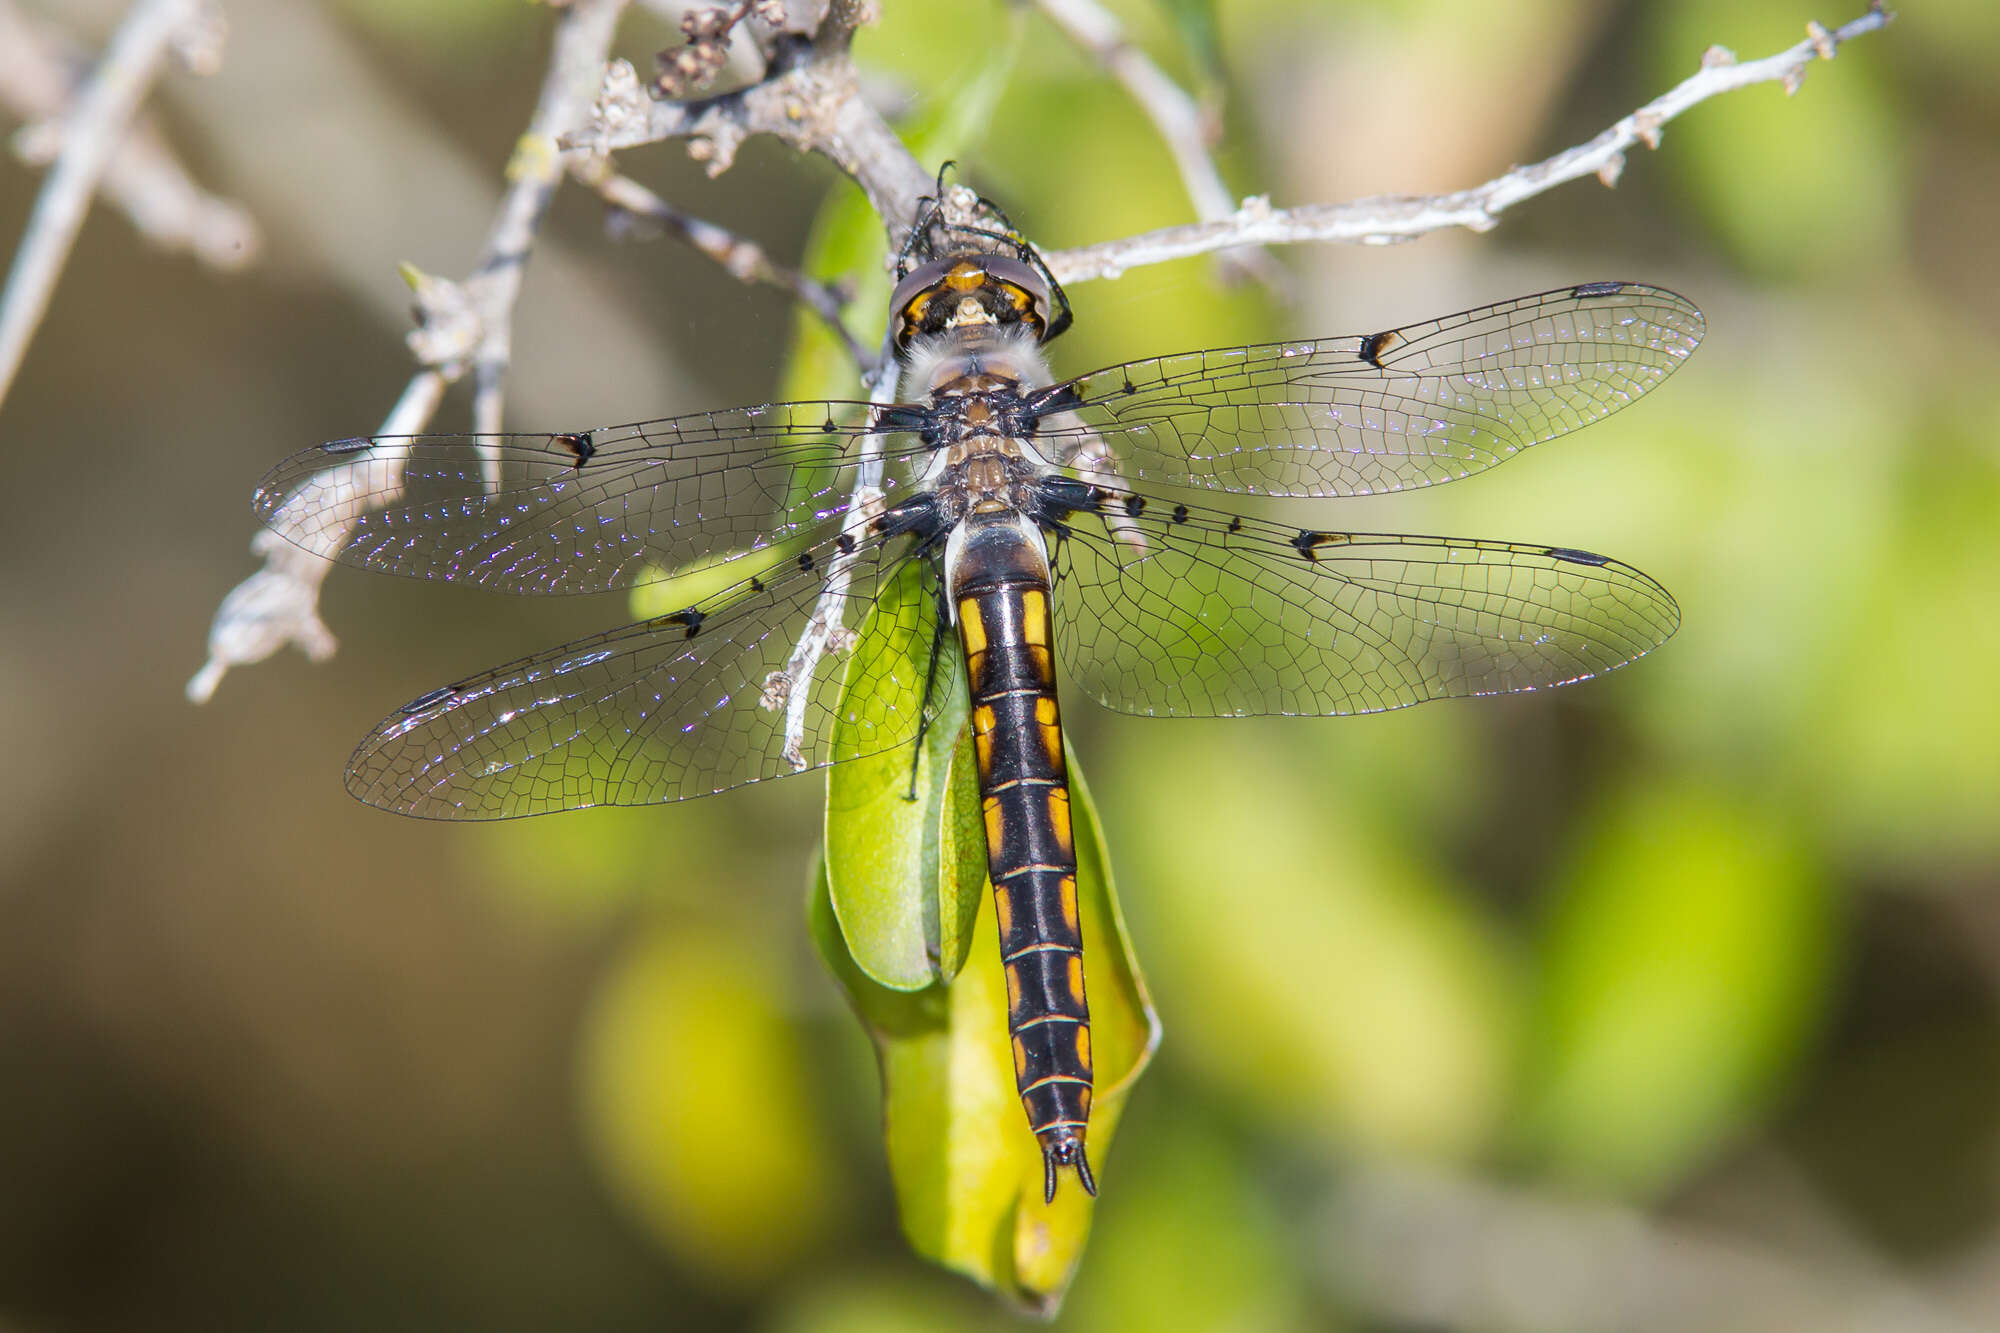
point(1192, 613)
point(579, 512)
point(1414, 406)
point(695, 702)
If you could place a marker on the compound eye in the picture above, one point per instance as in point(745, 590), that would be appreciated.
point(912, 294)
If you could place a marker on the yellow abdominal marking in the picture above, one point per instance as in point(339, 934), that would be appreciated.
point(1076, 979)
point(1035, 616)
point(1082, 1046)
point(1059, 818)
point(1069, 902)
point(973, 626)
point(1045, 718)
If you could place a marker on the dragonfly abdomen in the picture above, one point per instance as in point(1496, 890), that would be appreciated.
point(1000, 590)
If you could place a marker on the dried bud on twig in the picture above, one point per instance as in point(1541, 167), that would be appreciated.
point(707, 50)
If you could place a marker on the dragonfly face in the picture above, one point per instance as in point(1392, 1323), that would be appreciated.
point(1024, 506)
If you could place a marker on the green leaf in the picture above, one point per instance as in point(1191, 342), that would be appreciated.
point(968, 1172)
point(1682, 966)
point(905, 876)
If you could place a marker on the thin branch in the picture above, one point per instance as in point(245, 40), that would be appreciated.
point(279, 604)
point(1174, 114)
point(40, 73)
point(103, 111)
point(582, 44)
point(809, 99)
point(826, 631)
point(1179, 122)
point(740, 257)
point(1391, 218)
point(461, 326)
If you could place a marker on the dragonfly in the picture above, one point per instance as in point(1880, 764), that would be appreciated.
point(1040, 519)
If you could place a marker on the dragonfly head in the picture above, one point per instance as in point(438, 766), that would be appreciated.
point(964, 264)
point(972, 290)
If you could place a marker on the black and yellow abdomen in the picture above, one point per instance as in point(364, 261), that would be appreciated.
point(1000, 595)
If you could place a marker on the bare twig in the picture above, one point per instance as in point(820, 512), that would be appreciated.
point(462, 326)
point(1398, 217)
point(1180, 123)
point(741, 258)
point(40, 74)
point(1173, 113)
point(93, 131)
point(826, 630)
point(279, 604)
point(583, 41)
point(809, 99)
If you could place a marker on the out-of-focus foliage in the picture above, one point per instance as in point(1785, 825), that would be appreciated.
point(1757, 168)
point(1711, 943)
point(1684, 955)
point(696, 1103)
point(1331, 982)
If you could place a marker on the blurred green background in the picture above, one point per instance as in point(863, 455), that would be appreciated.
point(1667, 1002)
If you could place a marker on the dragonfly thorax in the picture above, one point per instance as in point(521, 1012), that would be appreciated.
point(971, 359)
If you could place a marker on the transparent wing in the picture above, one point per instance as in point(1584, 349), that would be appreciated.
point(1415, 406)
point(695, 702)
point(1193, 613)
point(579, 512)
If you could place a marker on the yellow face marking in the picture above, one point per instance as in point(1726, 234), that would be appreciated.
point(995, 821)
point(972, 627)
point(1083, 1047)
point(1021, 1059)
point(1035, 616)
point(1069, 902)
point(965, 277)
point(1076, 980)
point(1013, 988)
point(1003, 908)
point(1059, 818)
